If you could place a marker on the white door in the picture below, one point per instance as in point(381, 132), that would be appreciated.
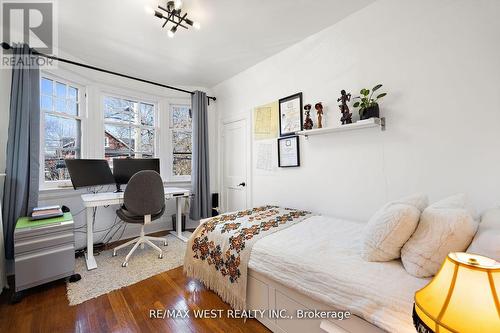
point(235, 165)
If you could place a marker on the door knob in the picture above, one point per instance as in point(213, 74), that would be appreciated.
point(242, 184)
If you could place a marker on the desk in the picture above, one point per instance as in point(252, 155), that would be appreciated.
point(93, 200)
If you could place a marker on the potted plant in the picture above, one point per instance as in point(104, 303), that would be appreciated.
point(368, 106)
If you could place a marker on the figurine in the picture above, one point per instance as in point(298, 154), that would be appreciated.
point(344, 109)
point(308, 124)
point(319, 111)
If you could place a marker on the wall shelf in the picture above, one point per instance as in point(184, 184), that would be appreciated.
point(368, 123)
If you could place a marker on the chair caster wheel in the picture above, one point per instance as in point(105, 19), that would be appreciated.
point(125, 264)
point(114, 254)
point(160, 256)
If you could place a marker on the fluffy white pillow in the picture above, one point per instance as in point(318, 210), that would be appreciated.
point(487, 239)
point(390, 227)
point(444, 227)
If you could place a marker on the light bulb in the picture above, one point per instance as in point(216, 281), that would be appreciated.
point(196, 25)
point(149, 10)
point(171, 34)
point(177, 4)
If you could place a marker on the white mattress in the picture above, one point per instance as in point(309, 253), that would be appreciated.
point(320, 258)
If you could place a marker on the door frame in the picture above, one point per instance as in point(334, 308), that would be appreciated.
point(248, 129)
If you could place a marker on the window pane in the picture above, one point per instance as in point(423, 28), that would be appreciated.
point(181, 116)
point(182, 141)
point(120, 141)
point(46, 87)
point(72, 93)
point(46, 103)
point(60, 90)
point(62, 140)
point(61, 105)
point(147, 141)
point(147, 114)
point(118, 109)
point(72, 108)
point(182, 165)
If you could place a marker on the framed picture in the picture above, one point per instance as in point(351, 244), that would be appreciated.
point(288, 152)
point(290, 114)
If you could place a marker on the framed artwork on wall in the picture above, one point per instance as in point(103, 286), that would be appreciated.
point(290, 114)
point(288, 152)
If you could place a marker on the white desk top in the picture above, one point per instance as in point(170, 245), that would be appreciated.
point(110, 198)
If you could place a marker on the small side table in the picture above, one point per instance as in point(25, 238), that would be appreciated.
point(44, 251)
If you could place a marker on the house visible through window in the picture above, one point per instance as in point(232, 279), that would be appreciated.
point(181, 134)
point(129, 128)
point(61, 128)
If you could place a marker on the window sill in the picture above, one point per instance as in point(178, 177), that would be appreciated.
point(48, 193)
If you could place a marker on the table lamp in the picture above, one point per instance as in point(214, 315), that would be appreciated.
point(463, 297)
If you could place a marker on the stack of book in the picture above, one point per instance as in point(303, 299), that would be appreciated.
point(47, 212)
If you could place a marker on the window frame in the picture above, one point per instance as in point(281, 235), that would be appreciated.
point(171, 130)
point(81, 117)
point(131, 96)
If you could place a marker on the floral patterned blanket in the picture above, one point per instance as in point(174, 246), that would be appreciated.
point(219, 250)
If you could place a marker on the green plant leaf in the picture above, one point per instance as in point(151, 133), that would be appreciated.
point(365, 92)
point(377, 87)
point(356, 104)
point(381, 95)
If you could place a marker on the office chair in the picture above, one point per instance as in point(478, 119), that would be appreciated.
point(143, 202)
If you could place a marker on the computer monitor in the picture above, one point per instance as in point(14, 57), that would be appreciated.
point(88, 173)
point(125, 168)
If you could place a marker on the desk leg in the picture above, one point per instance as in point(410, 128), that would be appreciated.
point(178, 232)
point(89, 255)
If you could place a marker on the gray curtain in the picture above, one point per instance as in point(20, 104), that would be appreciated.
point(201, 202)
point(23, 146)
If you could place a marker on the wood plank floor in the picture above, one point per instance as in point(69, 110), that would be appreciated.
point(46, 309)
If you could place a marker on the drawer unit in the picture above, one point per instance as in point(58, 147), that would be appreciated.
point(27, 241)
point(43, 251)
point(43, 266)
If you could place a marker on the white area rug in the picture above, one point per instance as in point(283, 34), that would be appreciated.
point(110, 275)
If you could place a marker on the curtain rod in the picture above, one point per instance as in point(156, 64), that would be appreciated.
point(6, 46)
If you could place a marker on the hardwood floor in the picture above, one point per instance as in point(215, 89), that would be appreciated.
point(46, 309)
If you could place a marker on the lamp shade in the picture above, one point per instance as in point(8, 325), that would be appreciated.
point(463, 297)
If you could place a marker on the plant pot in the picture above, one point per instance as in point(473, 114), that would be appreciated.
point(369, 112)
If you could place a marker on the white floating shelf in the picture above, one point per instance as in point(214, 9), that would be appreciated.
point(367, 123)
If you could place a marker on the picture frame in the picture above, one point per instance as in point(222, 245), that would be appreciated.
point(290, 114)
point(288, 152)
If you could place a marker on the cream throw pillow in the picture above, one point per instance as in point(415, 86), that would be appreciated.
point(445, 226)
point(486, 242)
point(390, 227)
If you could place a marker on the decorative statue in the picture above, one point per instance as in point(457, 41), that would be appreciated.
point(308, 124)
point(319, 111)
point(344, 109)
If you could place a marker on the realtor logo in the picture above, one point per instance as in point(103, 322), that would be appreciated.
point(29, 22)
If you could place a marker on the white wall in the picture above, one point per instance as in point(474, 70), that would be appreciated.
point(440, 63)
point(96, 83)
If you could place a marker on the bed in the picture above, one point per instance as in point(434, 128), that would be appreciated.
point(313, 263)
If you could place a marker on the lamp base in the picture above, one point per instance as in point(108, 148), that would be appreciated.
point(420, 326)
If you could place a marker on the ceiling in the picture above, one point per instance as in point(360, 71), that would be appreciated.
point(122, 36)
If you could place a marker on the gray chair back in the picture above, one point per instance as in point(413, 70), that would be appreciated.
point(144, 194)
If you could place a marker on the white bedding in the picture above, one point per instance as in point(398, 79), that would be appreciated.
point(320, 257)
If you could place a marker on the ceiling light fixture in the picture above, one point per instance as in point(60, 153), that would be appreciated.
point(173, 13)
